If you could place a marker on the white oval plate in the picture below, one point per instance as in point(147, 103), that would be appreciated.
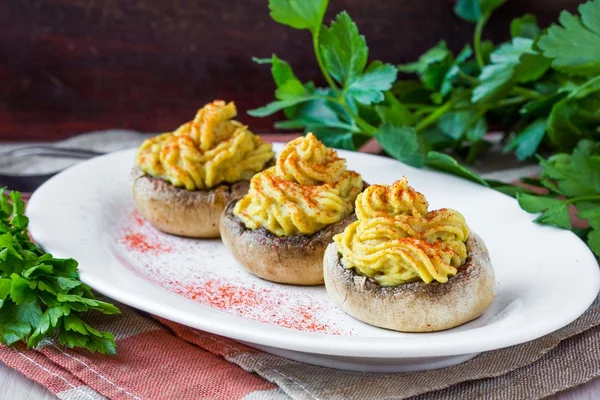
point(546, 277)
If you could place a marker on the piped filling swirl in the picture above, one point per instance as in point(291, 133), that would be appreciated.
point(396, 239)
point(208, 151)
point(308, 189)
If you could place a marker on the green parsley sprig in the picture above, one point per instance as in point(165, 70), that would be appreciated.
point(359, 103)
point(571, 180)
point(40, 295)
point(542, 88)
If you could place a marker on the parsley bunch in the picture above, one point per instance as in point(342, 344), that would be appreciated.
point(360, 102)
point(41, 295)
point(542, 88)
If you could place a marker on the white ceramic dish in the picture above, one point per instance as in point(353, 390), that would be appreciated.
point(546, 277)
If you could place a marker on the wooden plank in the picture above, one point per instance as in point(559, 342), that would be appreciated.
point(15, 385)
point(70, 66)
point(587, 391)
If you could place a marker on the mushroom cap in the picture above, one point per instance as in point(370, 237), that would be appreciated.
point(296, 260)
point(180, 211)
point(415, 306)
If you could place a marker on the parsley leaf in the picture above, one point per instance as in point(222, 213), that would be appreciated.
point(575, 178)
point(368, 88)
point(589, 210)
point(542, 106)
point(459, 124)
point(525, 26)
point(494, 82)
point(577, 174)
point(474, 10)
point(18, 320)
point(299, 14)
point(535, 204)
point(394, 111)
point(275, 106)
point(432, 66)
point(512, 62)
point(571, 120)
point(22, 290)
point(401, 142)
point(575, 46)
point(526, 142)
point(339, 139)
point(455, 70)
point(593, 239)
point(37, 291)
point(280, 69)
point(5, 286)
point(554, 211)
point(344, 49)
point(290, 90)
point(446, 163)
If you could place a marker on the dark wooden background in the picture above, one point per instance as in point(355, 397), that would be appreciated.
point(70, 66)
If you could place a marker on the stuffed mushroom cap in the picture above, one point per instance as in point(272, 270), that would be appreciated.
point(296, 260)
point(404, 267)
point(280, 229)
point(415, 306)
point(183, 179)
point(179, 211)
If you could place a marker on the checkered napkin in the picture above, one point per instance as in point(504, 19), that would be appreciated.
point(159, 359)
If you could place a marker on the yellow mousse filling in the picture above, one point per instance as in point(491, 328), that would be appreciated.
point(208, 151)
point(396, 239)
point(308, 189)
